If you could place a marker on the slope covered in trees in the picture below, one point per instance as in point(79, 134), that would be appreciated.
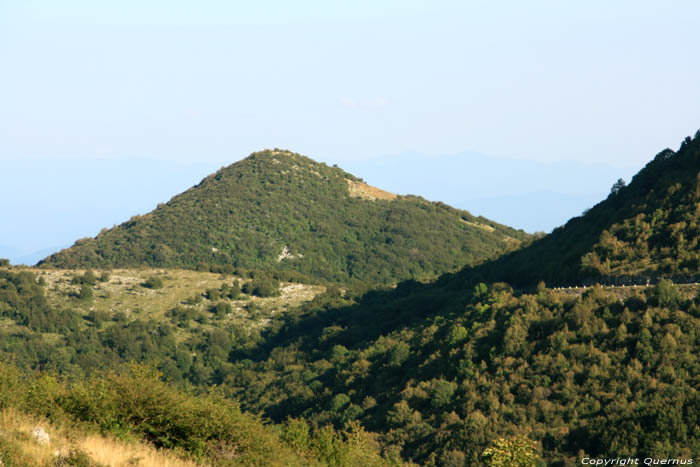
point(438, 371)
point(442, 369)
point(646, 230)
point(283, 211)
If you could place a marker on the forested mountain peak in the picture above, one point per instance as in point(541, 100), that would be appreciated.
point(641, 231)
point(278, 210)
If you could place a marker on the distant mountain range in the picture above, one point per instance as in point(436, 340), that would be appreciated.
point(277, 210)
point(28, 258)
point(48, 203)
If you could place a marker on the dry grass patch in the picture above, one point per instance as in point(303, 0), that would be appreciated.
point(364, 191)
point(69, 446)
point(124, 292)
point(111, 452)
point(485, 227)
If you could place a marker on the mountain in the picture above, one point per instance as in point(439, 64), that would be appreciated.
point(643, 231)
point(33, 257)
point(283, 211)
point(436, 371)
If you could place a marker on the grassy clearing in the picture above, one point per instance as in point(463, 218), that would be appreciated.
point(124, 295)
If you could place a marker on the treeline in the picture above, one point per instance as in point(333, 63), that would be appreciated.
point(276, 275)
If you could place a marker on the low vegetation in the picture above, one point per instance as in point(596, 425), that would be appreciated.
point(68, 445)
point(134, 410)
point(49, 322)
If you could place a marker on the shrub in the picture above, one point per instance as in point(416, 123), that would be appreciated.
point(262, 287)
point(153, 282)
point(232, 291)
point(135, 400)
point(85, 293)
point(213, 294)
point(221, 309)
point(89, 278)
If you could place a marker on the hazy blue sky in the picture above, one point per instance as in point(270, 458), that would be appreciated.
point(208, 82)
point(596, 80)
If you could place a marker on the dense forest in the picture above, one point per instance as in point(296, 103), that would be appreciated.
point(438, 370)
point(277, 210)
point(443, 369)
point(645, 230)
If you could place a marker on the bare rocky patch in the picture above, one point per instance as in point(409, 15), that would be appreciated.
point(362, 190)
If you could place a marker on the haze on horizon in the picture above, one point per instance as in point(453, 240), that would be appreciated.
point(604, 85)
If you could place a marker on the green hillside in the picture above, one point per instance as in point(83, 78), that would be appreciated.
point(441, 370)
point(646, 230)
point(436, 371)
point(277, 210)
point(79, 344)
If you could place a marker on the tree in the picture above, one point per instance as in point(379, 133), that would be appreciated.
point(221, 309)
point(666, 294)
point(617, 187)
point(518, 451)
point(234, 291)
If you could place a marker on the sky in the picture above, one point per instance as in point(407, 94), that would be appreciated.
point(202, 84)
